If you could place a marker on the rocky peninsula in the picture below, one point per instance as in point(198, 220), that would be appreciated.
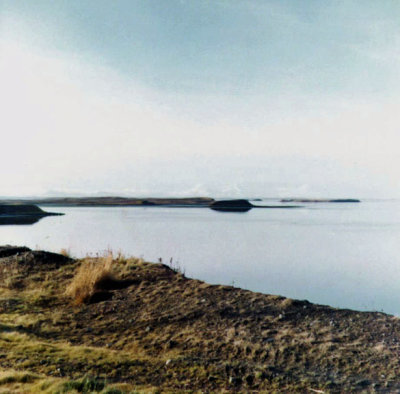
point(119, 325)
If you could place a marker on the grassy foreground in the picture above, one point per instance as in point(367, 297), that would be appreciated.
point(116, 325)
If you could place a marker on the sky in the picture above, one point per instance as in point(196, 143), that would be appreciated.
point(216, 98)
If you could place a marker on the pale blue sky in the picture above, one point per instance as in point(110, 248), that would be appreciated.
point(174, 97)
point(225, 47)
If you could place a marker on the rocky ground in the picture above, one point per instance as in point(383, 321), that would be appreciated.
point(153, 329)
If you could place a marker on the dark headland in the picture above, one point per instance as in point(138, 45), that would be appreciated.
point(22, 213)
point(125, 325)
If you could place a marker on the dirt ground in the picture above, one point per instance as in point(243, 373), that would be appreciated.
point(154, 330)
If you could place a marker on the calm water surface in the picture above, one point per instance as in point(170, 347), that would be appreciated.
point(344, 255)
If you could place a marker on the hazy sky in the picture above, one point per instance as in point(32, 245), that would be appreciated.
point(197, 97)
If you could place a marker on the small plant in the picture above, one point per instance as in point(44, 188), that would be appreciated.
point(176, 266)
point(92, 277)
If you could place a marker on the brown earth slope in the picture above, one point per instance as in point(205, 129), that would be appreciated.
point(151, 328)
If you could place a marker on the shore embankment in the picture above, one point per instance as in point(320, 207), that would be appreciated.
point(144, 326)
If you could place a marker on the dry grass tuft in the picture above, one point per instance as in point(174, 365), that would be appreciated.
point(65, 252)
point(16, 377)
point(92, 277)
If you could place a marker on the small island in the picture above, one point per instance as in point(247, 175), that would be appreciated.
point(231, 205)
point(317, 200)
point(243, 206)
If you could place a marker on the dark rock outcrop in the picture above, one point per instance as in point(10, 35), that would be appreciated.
point(8, 250)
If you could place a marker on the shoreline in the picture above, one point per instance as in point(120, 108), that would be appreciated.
point(113, 201)
point(153, 328)
point(110, 201)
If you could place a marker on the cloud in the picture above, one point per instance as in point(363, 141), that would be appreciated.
point(70, 124)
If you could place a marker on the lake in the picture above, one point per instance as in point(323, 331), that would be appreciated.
point(343, 255)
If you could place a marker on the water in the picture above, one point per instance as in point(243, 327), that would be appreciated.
point(343, 255)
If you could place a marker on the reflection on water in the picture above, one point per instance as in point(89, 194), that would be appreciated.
point(19, 220)
point(337, 254)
